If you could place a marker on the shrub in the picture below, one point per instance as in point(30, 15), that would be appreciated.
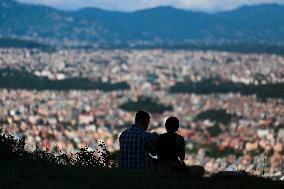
point(13, 151)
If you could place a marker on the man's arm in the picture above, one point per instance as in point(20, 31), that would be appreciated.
point(150, 145)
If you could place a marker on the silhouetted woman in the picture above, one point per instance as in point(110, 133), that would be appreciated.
point(171, 151)
point(170, 147)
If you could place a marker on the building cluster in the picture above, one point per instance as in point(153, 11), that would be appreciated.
point(253, 140)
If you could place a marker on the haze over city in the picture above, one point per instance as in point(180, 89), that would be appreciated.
point(131, 5)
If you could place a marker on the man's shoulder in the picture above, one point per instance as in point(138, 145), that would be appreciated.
point(125, 131)
point(132, 130)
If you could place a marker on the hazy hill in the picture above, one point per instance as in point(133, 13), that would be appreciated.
point(161, 25)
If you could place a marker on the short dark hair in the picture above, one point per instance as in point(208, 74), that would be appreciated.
point(142, 117)
point(172, 124)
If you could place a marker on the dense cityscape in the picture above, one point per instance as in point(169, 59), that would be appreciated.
point(250, 137)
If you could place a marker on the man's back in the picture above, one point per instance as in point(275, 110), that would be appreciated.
point(135, 144)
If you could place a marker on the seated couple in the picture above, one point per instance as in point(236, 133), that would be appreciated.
point(136, 145)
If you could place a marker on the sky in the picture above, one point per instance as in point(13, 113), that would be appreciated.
point(132, 5)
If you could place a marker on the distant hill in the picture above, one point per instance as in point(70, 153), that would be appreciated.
point(262, 24)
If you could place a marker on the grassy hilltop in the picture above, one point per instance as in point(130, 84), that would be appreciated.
point(40, 169)
point(32, 175)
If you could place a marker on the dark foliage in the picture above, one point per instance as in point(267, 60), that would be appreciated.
point(20, 43)
point(211, 86)
point(278, 127)
point(213, 151)
point(15, 79)
point(215, 130)
point(146, 104)
point(13, 151)
point(219, 116)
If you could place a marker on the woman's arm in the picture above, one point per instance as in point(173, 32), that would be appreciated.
point(181, 147)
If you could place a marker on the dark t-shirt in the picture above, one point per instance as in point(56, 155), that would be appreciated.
point(170, 147)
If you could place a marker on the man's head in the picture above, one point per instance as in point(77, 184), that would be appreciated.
point(172, 124)
point(143, 119)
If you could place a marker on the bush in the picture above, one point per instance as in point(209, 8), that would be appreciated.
point(13, 151)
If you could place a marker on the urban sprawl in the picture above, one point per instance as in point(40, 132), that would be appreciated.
point(252, 140)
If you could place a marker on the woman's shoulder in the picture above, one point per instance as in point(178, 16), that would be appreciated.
point(179, 139)
point(179, 136)
point(166, 137)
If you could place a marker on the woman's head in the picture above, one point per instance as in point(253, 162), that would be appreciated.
point(172, 124)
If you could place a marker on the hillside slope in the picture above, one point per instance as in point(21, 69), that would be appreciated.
point(161, 25)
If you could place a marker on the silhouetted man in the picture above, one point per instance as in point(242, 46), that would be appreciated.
point(136, 144)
